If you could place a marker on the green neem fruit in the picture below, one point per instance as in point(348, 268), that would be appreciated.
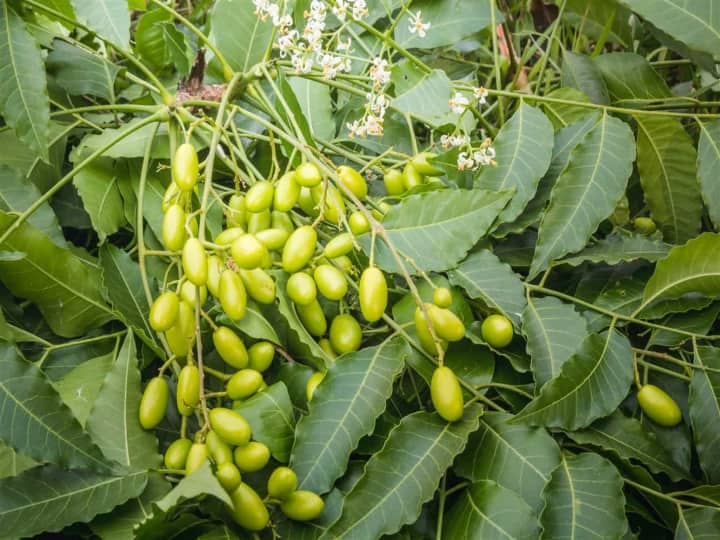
point(164, 311)
point(194, 261)
point(644, 225)
point(287, 193)
point(219, 450)
point(228, 476)
point(185, 167)
point(312, 384)
point(230, 426)
point(273, 239)
point(302, 505)
point(251, 457)
point(394, 182)
point(339, 245)
point(215, 269)
point(176, 454)
point(334, 207)
point(228, 236)
point(344, 263)
point(497, 331)
point(237, 212)
point(249, 511)
point(442, 297)
point(353, 180)
point(189, 293)
point(259, 197)
point(259, 285)
point(244, 384)
point(412, 176)
point(330, 282)
point(312, 317)
point(423, 332)
point(173, 195)
point(423, 164)
point(308, 175)
point(373, 294)
point(306, 202)
point(358, 223)
point(282, 220)
point(326, 346)
point(248, 252)
point(181, 335)
point(188, 390)
point(233, 296)
point(282, 482)
point(230, 347)
point(261, 355)
point(173, 228)
point(447, 325)
point(345, 334)
point(197, 455)
point(258, 221)
point(659, 406)
point(299, 249)
point(446, 394)
point(301, 288)
point(154, 403)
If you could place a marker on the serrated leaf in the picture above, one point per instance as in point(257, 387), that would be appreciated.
point(239, 33)
point(627, 438)
point(113, 422)
point(315, 103)
point(586, 192)
point(621, 296)
point(80, 72)
point(97, 184)
point(24, 102)
point(65, 287)
point(617, 248)
point(708, 168)
point(697, 523)
point(180, 51)
point(580, 72)
point(344, 408)
point(403, 475)
point(524, 147)
point(696, 319)
point(666, 160)
point(484, 276)
point(518, 457)
point(109, 19)
point(436, 229)
point(271, 415)
point(150, 43)
point(704, 408)
point(35, 421)
point(584, 498)
point(47, 499)
point(253, 324)
point(554, 332)
point(80, 387)
point(12, 463)
point(488, 510)
point(591, 384)
point(630, 77)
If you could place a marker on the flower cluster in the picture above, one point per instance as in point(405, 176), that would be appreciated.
point(484, 155)
point(459, 102)
point(453, 141)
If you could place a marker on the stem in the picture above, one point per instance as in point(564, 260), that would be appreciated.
point(441, 508)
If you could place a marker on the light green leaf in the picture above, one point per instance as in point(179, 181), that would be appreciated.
point(65, 287)
point(554, 332)
point(488, 510)
point(242, 36)
point(617, 248)
point(708, 168)
point(113, 422)
point(563, 114)
point(436, 229)
point(627, 438)
point(24, 102)
point(179, 49)
point(314, 100)
point(132, 146)
point(12, 463)
point(586, 192)
point(47, 499)
point(694, 22)
point(35, 422)
point(80, 387)
point(667, 165)
point(343, 410)
point(271, 415)
point(80, 72)
point(595, 15)
point(518, 457)
point(704, 407)
point(524, 147)
point(630, 77)
point(580, 72)
point(150, 41)
point(697, 524)
point(484, 276)
point(109, 19)
point(253, 324)
point(311, 530)
point(97, 184)
point(403, 475)
point(584, 499)
point(591, 384)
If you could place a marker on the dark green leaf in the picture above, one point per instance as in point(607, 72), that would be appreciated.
point(428, 100)
point(110, 19)
point(239, 33)
point(580, 72)
point(12, 463)
point(698, 523)
point(617, 248)
point(704, 406)
point(80, 387)
point(630, 77)
point(80, 72)
point(708, 168)
point(97, 184)
point(563, 114)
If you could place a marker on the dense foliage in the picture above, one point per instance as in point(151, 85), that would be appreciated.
point(359, 268)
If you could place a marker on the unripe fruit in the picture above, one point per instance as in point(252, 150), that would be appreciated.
point(219, 450)
point(173, 195)
point(244, 384)
point(644, 225)
point(189, 293)
point(302, 505)
point(258, 221)
point(259, 197)
point(312, 384)
point(313, 318)
point(334, 207)
point(153, 403)
point(424, 335)
point(185, 167)
point(181, 335)
point(423, 164)
point(249, 511)
point(282, 482)
point(442, 297)
point(188, 390)
point(259, 285)
point(287, 193)
point(326, 346)
point(373, 294)
point(394, 182)
point(339, 245)
point(164, 311)
point(282, 220)
point(299, 249)
point(197, 455)
point(308, 175)
point(215, 268)
point(248, 251)
point(230, 347)
point(233, 297)
point(412, 176)
point(261, 355)
point(659, 406)
point(446, 394)
point(330, 282)
point(273, 239)
point(447, 325)
point(345, 334)
point(251, 457)
point(237, 212)
point(497, 331)
point(301, 288)
point(194, 261)
point(176, 454)
point(353, 180)
point(359, 224)
point(173, 228)
point(228, 476)
point(228, 236)
point(344, 263)
point(306, 202)
point(230, 426)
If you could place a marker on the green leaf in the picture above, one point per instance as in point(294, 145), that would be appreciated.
point(80, 72)
point(311, 530)
point(343, 410)
point(24, 102)
point(584, 498)
point(692, 22)
point(618, 248)
point(253, 324)
point(518, 457)
point(132, 146)
point(450, 20)
point(554, 332)
point(690, 268)
point(12, 463)
point(180, 51)
point(403, 475)
point(436, 229)
point(113, 422)
point(581, 72)
point(586, 192)
point(591, 384)
point(65, 287)
point(484, 276)
point(109, 19)
point(626, 438)
point(704, 407)
point(47, 499)
point(563, 114)
point(271, 415)
point(35, 422)
point(242, 36)
point(123, 288)
point(150, 41)
point(80, 387)
point(708, 168)
point(524, 147)
point(630, 77)
point(697, 523)
point(594, 16)
point(97, 184)
point(315, 103)
point(666, 161)
point(488, 510)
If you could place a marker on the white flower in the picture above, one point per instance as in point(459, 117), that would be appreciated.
point(374, 125)
point(360, 9)
point(481, 95)
point(340, 9)
point(484, 156)
point(302, 64)
point(416, 24)
point(464, 162)
point(379, 72)
point(343, 45)
point(356, 129)
point(332, 65)
point(447, 141)
point(458, 103)
point(378, 103)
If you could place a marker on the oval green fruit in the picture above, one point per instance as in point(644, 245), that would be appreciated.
point(659, 406)
point(229, 235)
point(353, 180)
point(282, 220)
point(299, 249)
point(185, 167)
point(344, 263)
point(215, 268)
point(308, 175)
point(233, 296)
point(334, 207)
point(307, 203)
point(176, 454)
point(424, 335)
point(312, 317)
point(230, 426)
point(287, 192)
point(423, 164)
point(153, 403)
point(302, 505)
point(244, 384)
point(173, 228)
point(644, 225)
point(197, 455)
point(164, 311)
point(248, 252)
point(497, 331)
point(181, 335)
point(188, 390)
point(228, 476)
point(373, 294)
point(259, 285)
point(194, 261)
point(447, 325)
point(330, 282)
point(261, 355)
point(394, 181)
point(249, 511)
point(173, 195)
point(273, 239)
point(189, 293)
point(219, 450)
point(259, 197)
point(237, 212)
point(312, 384)
point(345, 334)
point(412, 176)
point(358, 223)
point(339, 245)
point(442, 297)
point(301, 288)
point(446, 394)
point(282, 482)
point(258, 221)
point(230, 347)
point(326, 346)
point(251, 457)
